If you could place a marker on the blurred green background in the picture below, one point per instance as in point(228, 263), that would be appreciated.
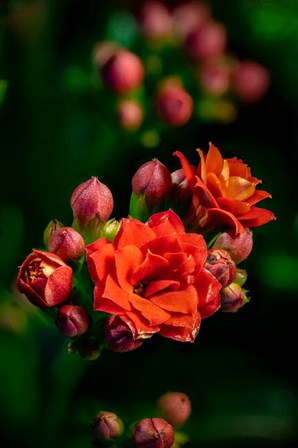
point(57, 130)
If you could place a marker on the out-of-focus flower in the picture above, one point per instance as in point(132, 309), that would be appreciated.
point(152, 276)
point(214, 77)
point(155, 20)
point(173, 105)
point(153, 433)
point(238, 245)
point(123, 72)
point(107, 426)
point(189, 16)
point(72, 320)
point(250, 81)
point(92, 204)
point(103, 51)
point(119, 336)
point(221, 265)
point(224, 193)
point(175, 407)
point(233, 297)
point(206, 42)
point(130, 114)
point(67, 243)
point(45, 279)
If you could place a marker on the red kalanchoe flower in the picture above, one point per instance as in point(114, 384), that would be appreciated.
point(153, 433)
point(224, 193)
point(175, 407)
point(153, 277)
point(45, 279)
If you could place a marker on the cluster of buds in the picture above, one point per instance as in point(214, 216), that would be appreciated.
point(161, 431)
point(113, 284)
point(185, 68)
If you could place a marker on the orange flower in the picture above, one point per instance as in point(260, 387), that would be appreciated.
point(152, 277)
point(224, 193)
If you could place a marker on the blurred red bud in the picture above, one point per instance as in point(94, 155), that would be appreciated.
point(214, 77)
point(155, 20)
point(67, 243)
point(174, 106)
point(233, 297)
point(130, 114)
point(175, 407)
point(72, 321)
point(250, 81)
point(221, 265)
point(153, 433)
point(119, 336)
point(238, 245)
point(45, 279)
point(122, 72)
point(107, 426)
point(208, 41)
point(189, 16)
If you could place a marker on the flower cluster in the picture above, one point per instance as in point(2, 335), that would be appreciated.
point(183, 68)
point(171, 263)
point(161, 431)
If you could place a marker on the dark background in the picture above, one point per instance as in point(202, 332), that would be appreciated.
point(57, 130)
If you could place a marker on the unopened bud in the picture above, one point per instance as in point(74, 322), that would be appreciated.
point(153, 433)
point(110, 229)
point(233, 297)
point(92, 204)
point(174, 106)
point(155, 20)
point(238, 245)
point(175, 407)
point(221, 265)
point(123, 72)
point(130, 114)
point(208, 41)
point(119, 336)
point(107, 425)
point(52, 227)
point(72, 321)
point(214, 77)
point(189, 16)
point(241, 277)
point(250, 81)
point(67, 243)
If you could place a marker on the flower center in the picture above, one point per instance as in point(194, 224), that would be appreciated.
point(140, 288)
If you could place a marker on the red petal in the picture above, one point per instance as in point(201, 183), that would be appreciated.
point(162, 244)
point(116, 294)
point(257, 217)
point(208, 289)
point(132, 232)
point(164, 223)
point(235, 207)
point(258, 196)
point(185, 301)
point(183, 328)
point(149, 268)
point(214, 160)
point(139, 326)
point(158, 286)
point(187, 168)
point(101, 262)
point(127, 260)
point(153, 313)
point(58, 286)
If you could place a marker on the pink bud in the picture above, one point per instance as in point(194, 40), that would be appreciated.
point(155, 20)
point(119, 336)
point(92, 203)
point(153, 180)
point(52, 227)
point(174, 106)
point(130, 114)
point(189, 16)
point(233, 297)
point(181, 191)
point(103, 51)
point(153, 433)
point(67, 244)
point(45, 279)
point(238, 245)
point(214, 77)
point(208, 41)
point(221, 265)
point(107, 426)
point(175, 407)
point(123, 72)
point(72, 321)
point(250, 81)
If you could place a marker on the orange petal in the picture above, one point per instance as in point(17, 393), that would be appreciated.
point(237, 208)
point(258, 196)
point(101, 262)
point(218, 217)
point(149, 268)
point(132, 232)
point(215, 185)
point(127, 261)
point(116, 294)
point(214, 160)
point(187, 168)
point(164, 223)
point(139, 326)
point(239, 188)
point(185, 301)
point(158, 286)
point(154, 314)
point(257, 217)
point(181, 328)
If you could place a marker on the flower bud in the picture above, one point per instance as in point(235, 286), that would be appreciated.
point(67, 244)
point(238, 245)
point(130, 114)
point(174, 106)
point(52, 227)
point(153, 180)
point(119, 336)
point(214, 77)
point(87, 348)
point(107, 426)
point(208, 41)
point(189, 16)
point(45, 279)
point(110, 229)
point(221, 265)
point(233, 297)
point(92, 204)
point(154, 20)
point(175, 407)
point(250, 81)
point(72, 321)
point(241, 277)
point(103, 51)
point(153, 433)
point(122, 72)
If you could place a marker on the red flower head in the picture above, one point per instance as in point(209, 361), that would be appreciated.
point(45, 279)
point(152, 277)
point(224, 193)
